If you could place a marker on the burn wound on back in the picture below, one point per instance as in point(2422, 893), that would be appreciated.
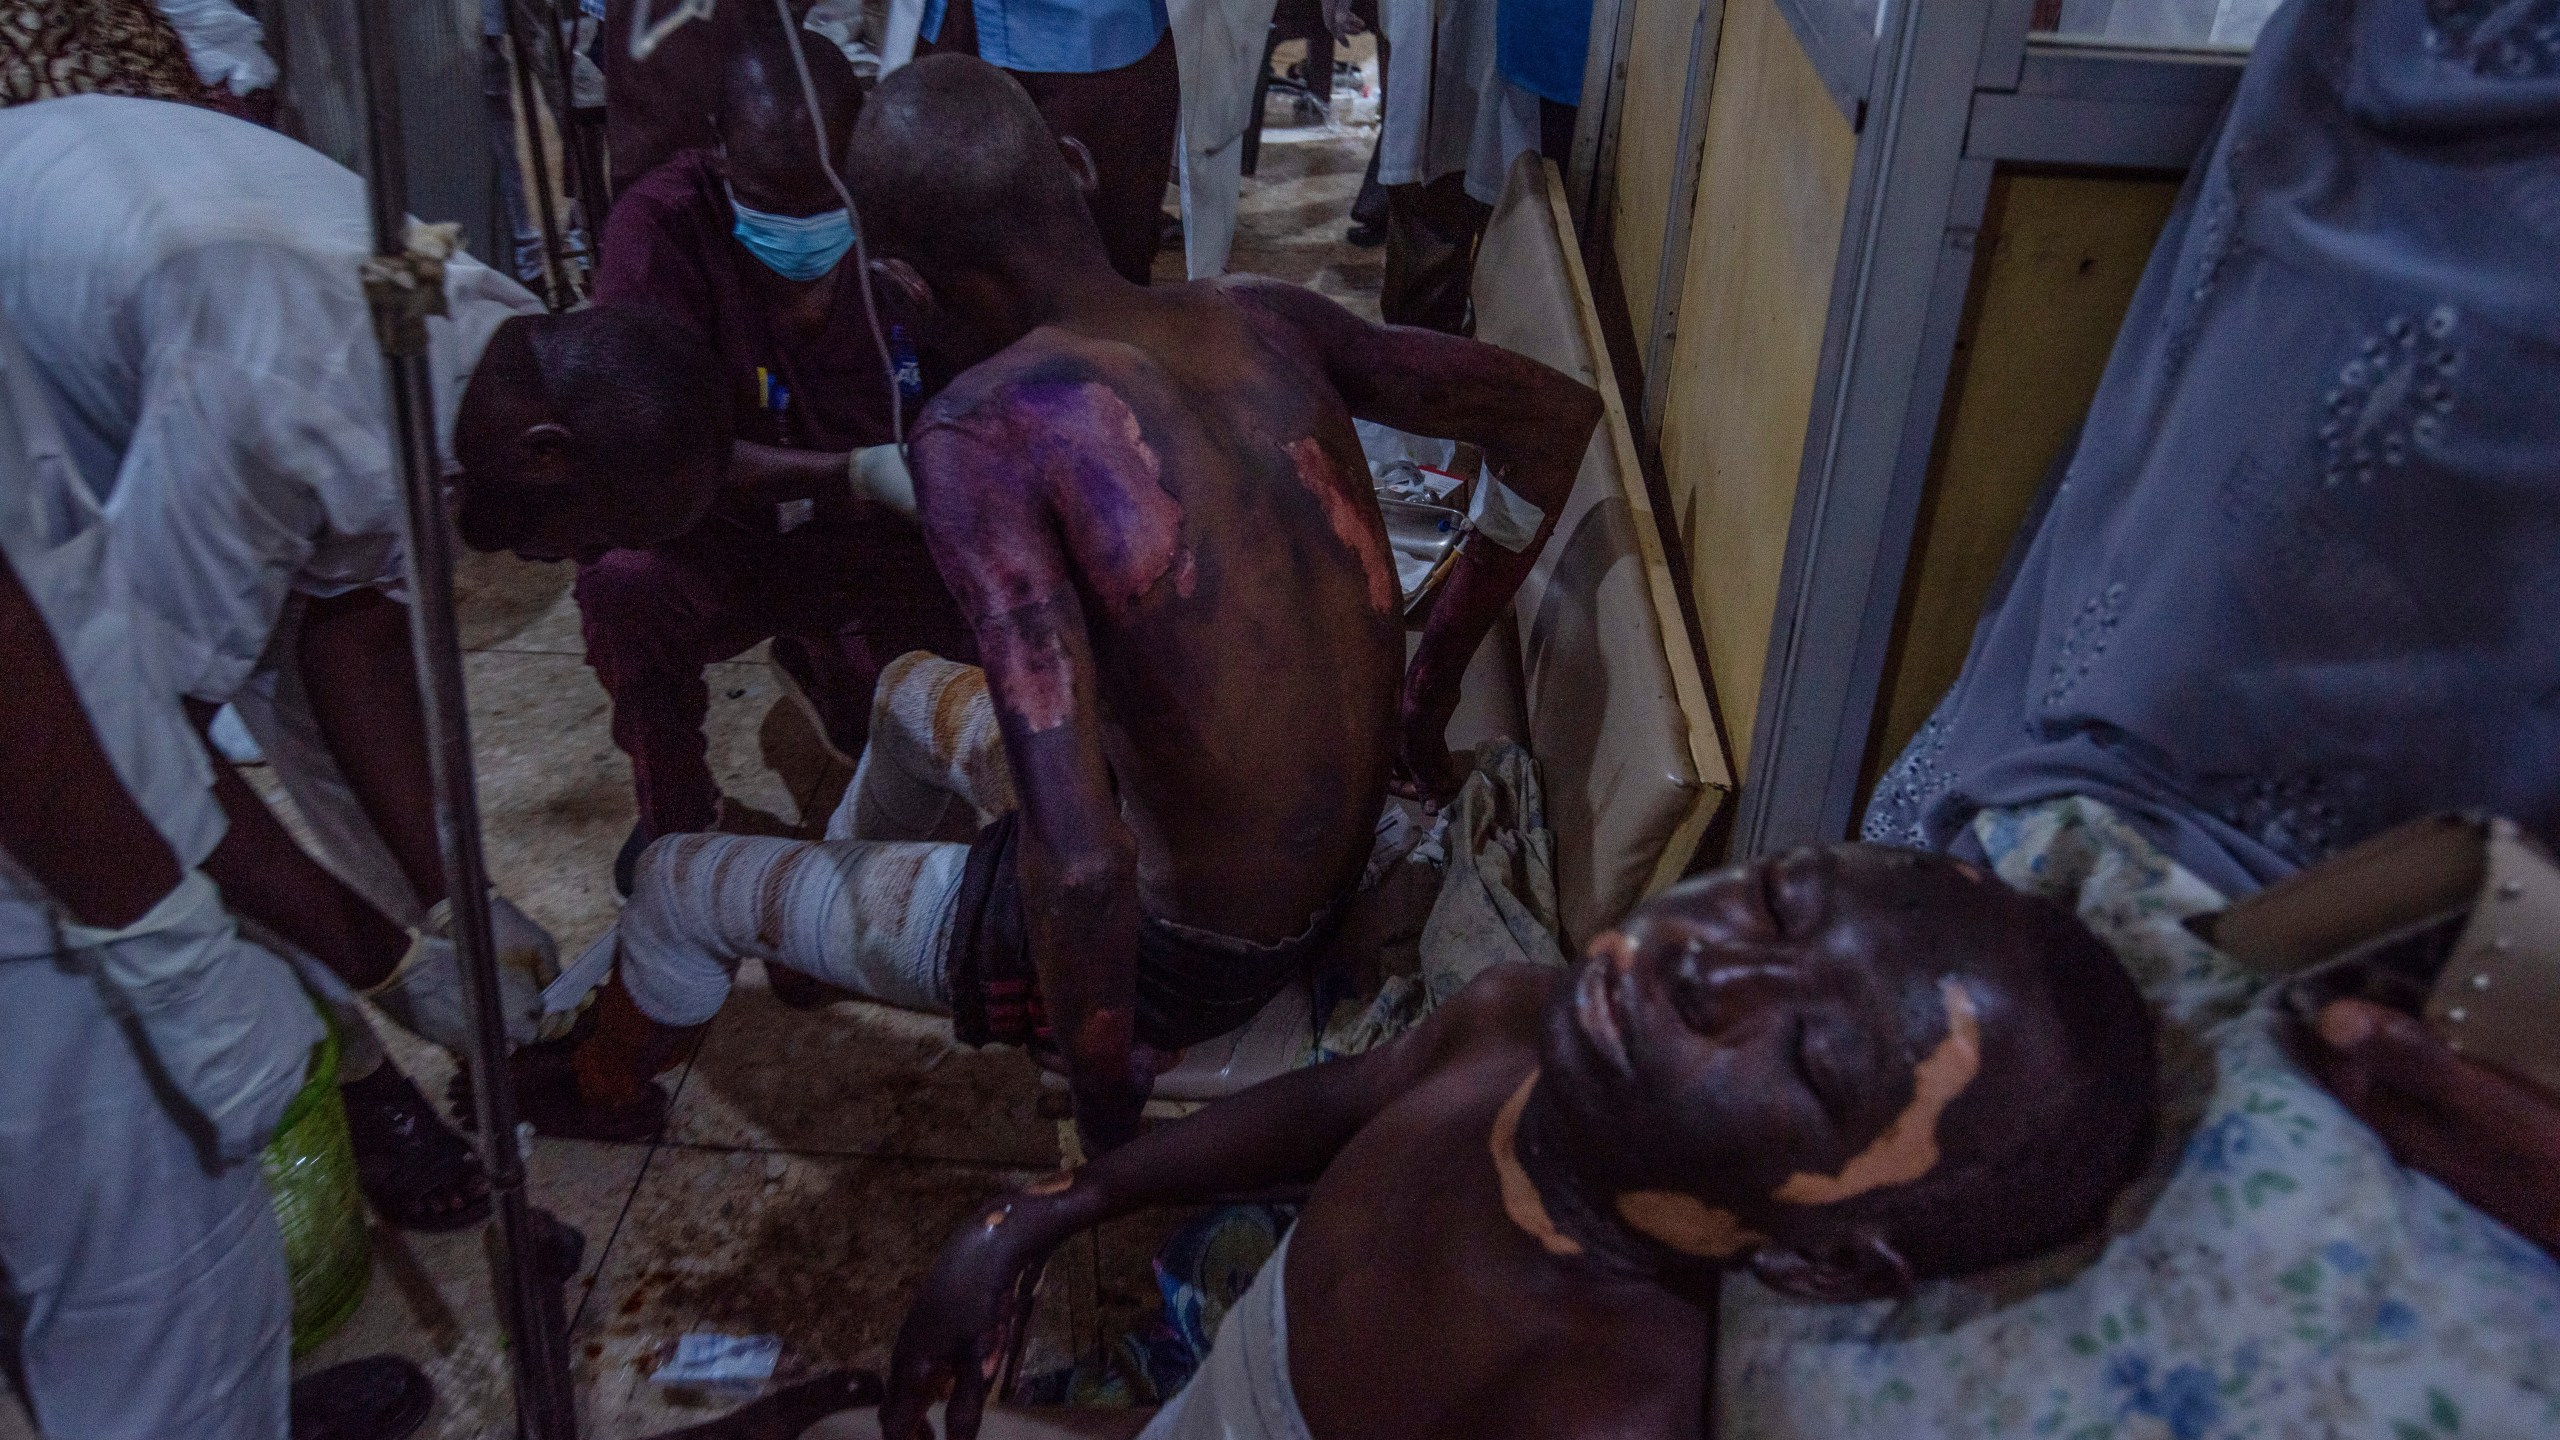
point(1351, 518)
point(1121, 522)
point(1908, 1148)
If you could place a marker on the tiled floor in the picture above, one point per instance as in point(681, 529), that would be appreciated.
point(815, 1161)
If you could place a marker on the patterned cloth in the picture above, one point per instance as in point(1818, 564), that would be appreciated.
point(2295, 586)
point(2273, 1275)
point(50, 48)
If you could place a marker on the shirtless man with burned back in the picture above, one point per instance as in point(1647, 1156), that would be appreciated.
point(1153, 509)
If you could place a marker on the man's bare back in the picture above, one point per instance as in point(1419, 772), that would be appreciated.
point(1177, 491)
point(1153, 508)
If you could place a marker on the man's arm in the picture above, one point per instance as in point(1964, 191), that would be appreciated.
point(773, 474)
point(997, 541)
point(2491, 1138)
point(362, 681)
point(1284, 1131)
point(1532, 423)
point(64, 816)
point(266, 875)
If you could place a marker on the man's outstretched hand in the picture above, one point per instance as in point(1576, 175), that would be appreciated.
point(2489, 1137)
point(956, 1335)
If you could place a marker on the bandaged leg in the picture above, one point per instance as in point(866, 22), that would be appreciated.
point(872, 916)
point(934, 748)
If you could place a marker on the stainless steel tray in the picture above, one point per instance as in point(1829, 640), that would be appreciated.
point(1425, 540)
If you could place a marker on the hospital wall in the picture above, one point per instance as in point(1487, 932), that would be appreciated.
point(2054, 271)
point(2056, 262)
point(1773, 187)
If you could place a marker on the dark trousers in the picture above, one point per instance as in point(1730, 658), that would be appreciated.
point(1432, 233)
point(1126, 117)
point(840, 601)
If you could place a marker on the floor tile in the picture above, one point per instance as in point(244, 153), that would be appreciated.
point(858, 1079)
point(824, 1253)
point(555, 795)
point(503, 603)
point(430, 1298)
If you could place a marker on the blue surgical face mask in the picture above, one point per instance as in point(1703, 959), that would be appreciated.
point(795, 247)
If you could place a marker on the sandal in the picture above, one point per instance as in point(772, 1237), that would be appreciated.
point(418, 1174)
point(381, 1397)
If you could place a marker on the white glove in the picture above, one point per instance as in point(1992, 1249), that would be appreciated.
point(879, 472)
point(425, 991)
point(227, 1021)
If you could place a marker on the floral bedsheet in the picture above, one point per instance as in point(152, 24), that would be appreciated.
point(2273, 1275)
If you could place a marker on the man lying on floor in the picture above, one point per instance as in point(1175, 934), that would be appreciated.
point(1155, 514)
point(1844, 1070)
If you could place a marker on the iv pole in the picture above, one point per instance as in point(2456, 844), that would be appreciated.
point(404, 288)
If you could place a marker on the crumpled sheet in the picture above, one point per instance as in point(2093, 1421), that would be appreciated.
point(1476, 890)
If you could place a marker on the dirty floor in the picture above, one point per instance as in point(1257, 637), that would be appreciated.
point(815, 1160)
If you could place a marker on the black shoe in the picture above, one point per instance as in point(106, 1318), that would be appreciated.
point(626, 864)
point(416, 1171)
point(381, 1397)
point(1366, 236)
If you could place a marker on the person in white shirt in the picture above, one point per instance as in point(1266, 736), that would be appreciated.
point(147, 1048)
point(187, 288)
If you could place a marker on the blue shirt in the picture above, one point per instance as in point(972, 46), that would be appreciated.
point(1540, 45)
point(1069, 37)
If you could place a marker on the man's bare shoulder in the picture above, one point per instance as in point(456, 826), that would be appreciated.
point(1050, 379)
point(1318, 318)
point(1500, 1013)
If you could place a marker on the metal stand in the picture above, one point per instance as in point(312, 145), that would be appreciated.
point(404, 289)
point(555, 252)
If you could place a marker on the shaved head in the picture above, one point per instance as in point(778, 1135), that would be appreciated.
point(953, 169)
point(600, 429)
point(764, 117)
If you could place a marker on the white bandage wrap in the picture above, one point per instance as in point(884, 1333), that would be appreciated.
point(873, 917)
point(1502, 517)
point(933, 740)
point(227, 1022)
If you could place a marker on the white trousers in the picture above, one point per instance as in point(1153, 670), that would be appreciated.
point(1242, 1390)
point(147, 1293)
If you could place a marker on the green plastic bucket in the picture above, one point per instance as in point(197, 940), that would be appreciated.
point(311, 1178)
